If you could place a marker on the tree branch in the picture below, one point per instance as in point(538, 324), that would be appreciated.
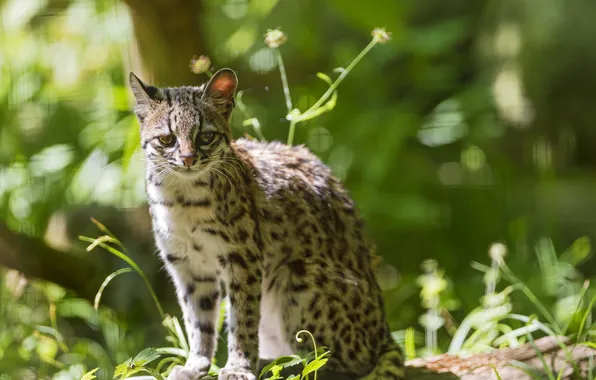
point(32, 257)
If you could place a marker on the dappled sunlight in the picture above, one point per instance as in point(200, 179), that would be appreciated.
point(463, 131)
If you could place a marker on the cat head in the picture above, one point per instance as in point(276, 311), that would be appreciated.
point(185, 129)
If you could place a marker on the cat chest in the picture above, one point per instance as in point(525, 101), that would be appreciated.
point(183, 230)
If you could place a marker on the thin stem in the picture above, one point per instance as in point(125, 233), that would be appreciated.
point(129, 261)
point(292, 129)
point(531, 296)
point(284, 79)
point(341, 77)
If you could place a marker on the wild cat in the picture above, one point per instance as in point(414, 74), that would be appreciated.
point(265, 224)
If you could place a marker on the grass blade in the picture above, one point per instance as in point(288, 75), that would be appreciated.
point(106, 282)
point(101, 243)
point(585, 318)
point(511, 277)
point(495, 371)
point(410, 344)
point(547, 369)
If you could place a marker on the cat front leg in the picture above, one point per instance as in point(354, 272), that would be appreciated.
point(244, 289)
point(199, 298)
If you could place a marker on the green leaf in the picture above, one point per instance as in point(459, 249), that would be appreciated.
point(289, 361)
point(587, 314)
point(275, 370)
point(328, 106)
point(410, 343)
point(101, 242)
point(136, 364)
point(281, 362)
point(266, 369)
point(106, 282)
point(90, 375)
point(122, 369)
point(325, 78)
point(146, 356)
point(171, 351)
point(47, 349)
point(314, 366)
point(321, 353)
point(578, 252)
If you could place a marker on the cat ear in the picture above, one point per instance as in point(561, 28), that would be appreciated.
point(220, 91)
point(145, 94)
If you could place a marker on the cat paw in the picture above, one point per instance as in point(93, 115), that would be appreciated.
point(196, 368)
point(186, 373)
point(235, 374)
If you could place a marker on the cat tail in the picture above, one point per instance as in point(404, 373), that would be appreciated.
point(390, 365)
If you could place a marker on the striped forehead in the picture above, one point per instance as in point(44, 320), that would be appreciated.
point(189, 96)
point(184, 110)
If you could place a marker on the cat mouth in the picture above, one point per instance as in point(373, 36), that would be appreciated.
point(186, 171)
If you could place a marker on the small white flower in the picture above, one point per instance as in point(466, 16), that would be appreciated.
point(497, 251)
point(380, 35)
point(274, 38)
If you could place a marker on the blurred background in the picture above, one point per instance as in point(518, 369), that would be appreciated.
point(475, 124)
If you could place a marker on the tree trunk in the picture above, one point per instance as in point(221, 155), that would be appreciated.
point(168, 34)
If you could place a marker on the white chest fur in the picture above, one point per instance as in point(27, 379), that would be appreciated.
point(180, 229)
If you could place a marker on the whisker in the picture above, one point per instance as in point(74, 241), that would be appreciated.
point(218, 171)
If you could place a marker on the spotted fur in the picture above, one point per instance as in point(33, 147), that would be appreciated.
point(270, 223)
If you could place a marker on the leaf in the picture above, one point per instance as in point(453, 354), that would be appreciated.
point(328, 106)
point(281, 362)
point(410, 343)
point(321, 353)
point(90, 375)
point(578, 252)
point(314, 366)
point(101, 242)
point(587, 314)
point(47, 349)
point(266, 369)
point(289, 361)
point(275, 370)
point(122, 369)
point(136, 364)
point(106, 282)
point(171, 351)
point(146, 356)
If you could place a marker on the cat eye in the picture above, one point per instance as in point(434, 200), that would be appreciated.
point(206, 138)
point(167, 140)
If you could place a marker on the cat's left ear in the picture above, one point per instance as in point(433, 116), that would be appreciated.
point(220, 91)
point(144, 93)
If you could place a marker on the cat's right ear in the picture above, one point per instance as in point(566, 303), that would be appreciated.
point(144, 93)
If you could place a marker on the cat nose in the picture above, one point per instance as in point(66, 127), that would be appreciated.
point(188, 160)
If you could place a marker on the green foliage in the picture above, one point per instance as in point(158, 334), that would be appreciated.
point(448, 136)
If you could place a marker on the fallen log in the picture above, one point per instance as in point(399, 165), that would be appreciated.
point(557, 356)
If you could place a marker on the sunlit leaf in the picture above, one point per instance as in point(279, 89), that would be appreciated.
point(90, 375)
point(314, 366)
